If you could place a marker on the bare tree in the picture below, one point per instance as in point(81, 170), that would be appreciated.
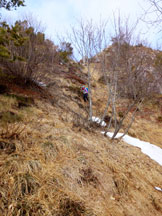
point(91, 42)
point(120, 74)
point(103, 42)
point(84, 37)
point(34, 22)
point(155, 6)
point(153, 14)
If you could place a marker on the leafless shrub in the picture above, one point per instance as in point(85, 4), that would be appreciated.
point(153, 14)
point(116, 66)
point(87, 40)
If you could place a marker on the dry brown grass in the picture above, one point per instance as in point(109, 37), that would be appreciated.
point(53, 165)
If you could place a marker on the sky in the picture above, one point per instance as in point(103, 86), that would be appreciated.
point(58, 15)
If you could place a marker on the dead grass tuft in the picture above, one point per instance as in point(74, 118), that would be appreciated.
point(24, 184)
point(7, 147)
point(71, 208)
point(88, 177)
point(28, 207)
point(50, 150)
point(12, 131)
point(121, 183)
point(33, 166)
point(156, 204)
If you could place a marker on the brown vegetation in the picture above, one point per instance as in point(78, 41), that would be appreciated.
point(53, 162)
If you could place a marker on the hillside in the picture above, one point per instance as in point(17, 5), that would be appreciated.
point(138, 69)
point(52, 162)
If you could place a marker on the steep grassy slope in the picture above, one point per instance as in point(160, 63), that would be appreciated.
point(53, 163)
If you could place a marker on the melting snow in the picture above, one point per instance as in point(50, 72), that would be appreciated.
point(41, 84)
point(157, 188)
point(153, 151)
point(98, 121)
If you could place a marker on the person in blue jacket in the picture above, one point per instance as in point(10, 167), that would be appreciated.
point(85, 93)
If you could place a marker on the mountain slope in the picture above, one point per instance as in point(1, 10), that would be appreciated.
point(53, 163)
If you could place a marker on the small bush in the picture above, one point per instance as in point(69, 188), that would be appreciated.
point(83, 123)
point(132, 134)
point(23, 99)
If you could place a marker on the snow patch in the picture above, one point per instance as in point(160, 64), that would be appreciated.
point(153, 151)
point(41, 84)
point(98, 121)
point(157, 188)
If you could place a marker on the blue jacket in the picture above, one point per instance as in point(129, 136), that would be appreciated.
point(85, 91)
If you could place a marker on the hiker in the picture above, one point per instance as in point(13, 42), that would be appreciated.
point(85, 93)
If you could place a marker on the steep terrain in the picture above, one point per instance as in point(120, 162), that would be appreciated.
point(52, 162)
